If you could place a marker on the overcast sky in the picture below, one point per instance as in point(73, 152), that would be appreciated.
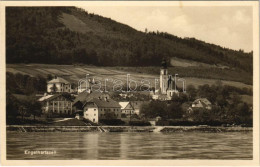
point(226, 26)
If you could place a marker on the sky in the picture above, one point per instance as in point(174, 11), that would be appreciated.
point(227, 26)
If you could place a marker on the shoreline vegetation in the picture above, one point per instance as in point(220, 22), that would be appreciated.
point(165, 129)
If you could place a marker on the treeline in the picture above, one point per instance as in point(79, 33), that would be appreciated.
point(21, 107)
point(20, 97)
point(239, 59)
point(36, 35)
point(25, 84)
point(227, 107)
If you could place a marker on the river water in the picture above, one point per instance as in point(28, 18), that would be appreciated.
point(129, 146)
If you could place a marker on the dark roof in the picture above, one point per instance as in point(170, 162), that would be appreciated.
point(102, 103)
point(138, 104)
point(58, 80)
point(85, 96)
point(203, 101)
point(81, 97)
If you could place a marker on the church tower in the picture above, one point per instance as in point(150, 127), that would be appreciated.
point(164, 77)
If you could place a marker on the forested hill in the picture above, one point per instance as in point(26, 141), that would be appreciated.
point(69, 35)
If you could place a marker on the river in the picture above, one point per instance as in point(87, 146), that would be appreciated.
point(130, 146)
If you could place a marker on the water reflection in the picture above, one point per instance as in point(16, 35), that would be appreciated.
point(123, 146)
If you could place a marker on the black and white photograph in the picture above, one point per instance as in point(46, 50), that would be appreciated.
point(130, 81)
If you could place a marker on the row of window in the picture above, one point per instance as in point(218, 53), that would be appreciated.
point(61, 104)
point(105, 115)
point(102, 115)
point(127, 111)
point(66, 88)
point(108, 109)
point(60, 111)
point(104, 109)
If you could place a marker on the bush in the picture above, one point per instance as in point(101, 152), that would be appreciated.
point(87, 121)
point(139, 123)
point(112, 122)
point(195, 123)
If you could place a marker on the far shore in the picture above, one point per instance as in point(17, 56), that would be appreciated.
point(166, 129)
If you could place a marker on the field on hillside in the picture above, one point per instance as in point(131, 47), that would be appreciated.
point(202, 72)
point(177, 62)
point(74, 73)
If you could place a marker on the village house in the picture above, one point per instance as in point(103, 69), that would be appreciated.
point(126, 108)
point(58, 85)
point(83, 97)
point(137, 106)
point(84, 85)
point(98, 109)
point(83, 88)
point(201, 103)
point(57, 104)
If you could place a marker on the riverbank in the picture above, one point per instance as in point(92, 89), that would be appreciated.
point(166, 129)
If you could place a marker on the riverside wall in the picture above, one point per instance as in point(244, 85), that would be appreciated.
point(165, 129)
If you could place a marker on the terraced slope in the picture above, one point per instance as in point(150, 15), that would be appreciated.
point(74, 73)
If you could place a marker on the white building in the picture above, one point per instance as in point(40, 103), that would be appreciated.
point(58, 85)
point(58, 104)
point(83, 88)
point(97, 109)
point(84, 85)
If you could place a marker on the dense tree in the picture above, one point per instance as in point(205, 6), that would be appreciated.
point(22, 110)
point(174, 111)
point(192, 92)
point(49, 77)
point(201, 115)
point(25, 84)
point(180, 98)
point(154, 109)
point(227, 106)
point(162, 109)
point(12, 106)
point(38, 35)
point(34, 107)
point(205, 91)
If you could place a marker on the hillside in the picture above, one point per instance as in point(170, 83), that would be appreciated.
point(69, 35)
point(73, 73)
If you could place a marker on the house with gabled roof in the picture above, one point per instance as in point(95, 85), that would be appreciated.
point(83, 97)
point(201, 103)
point(56, 104)
point(127, 111)
point(58, 85)
point(97, 109)
point(137, 105)
point(126, 108)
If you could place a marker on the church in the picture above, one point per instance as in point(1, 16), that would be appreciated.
point(167, 85)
